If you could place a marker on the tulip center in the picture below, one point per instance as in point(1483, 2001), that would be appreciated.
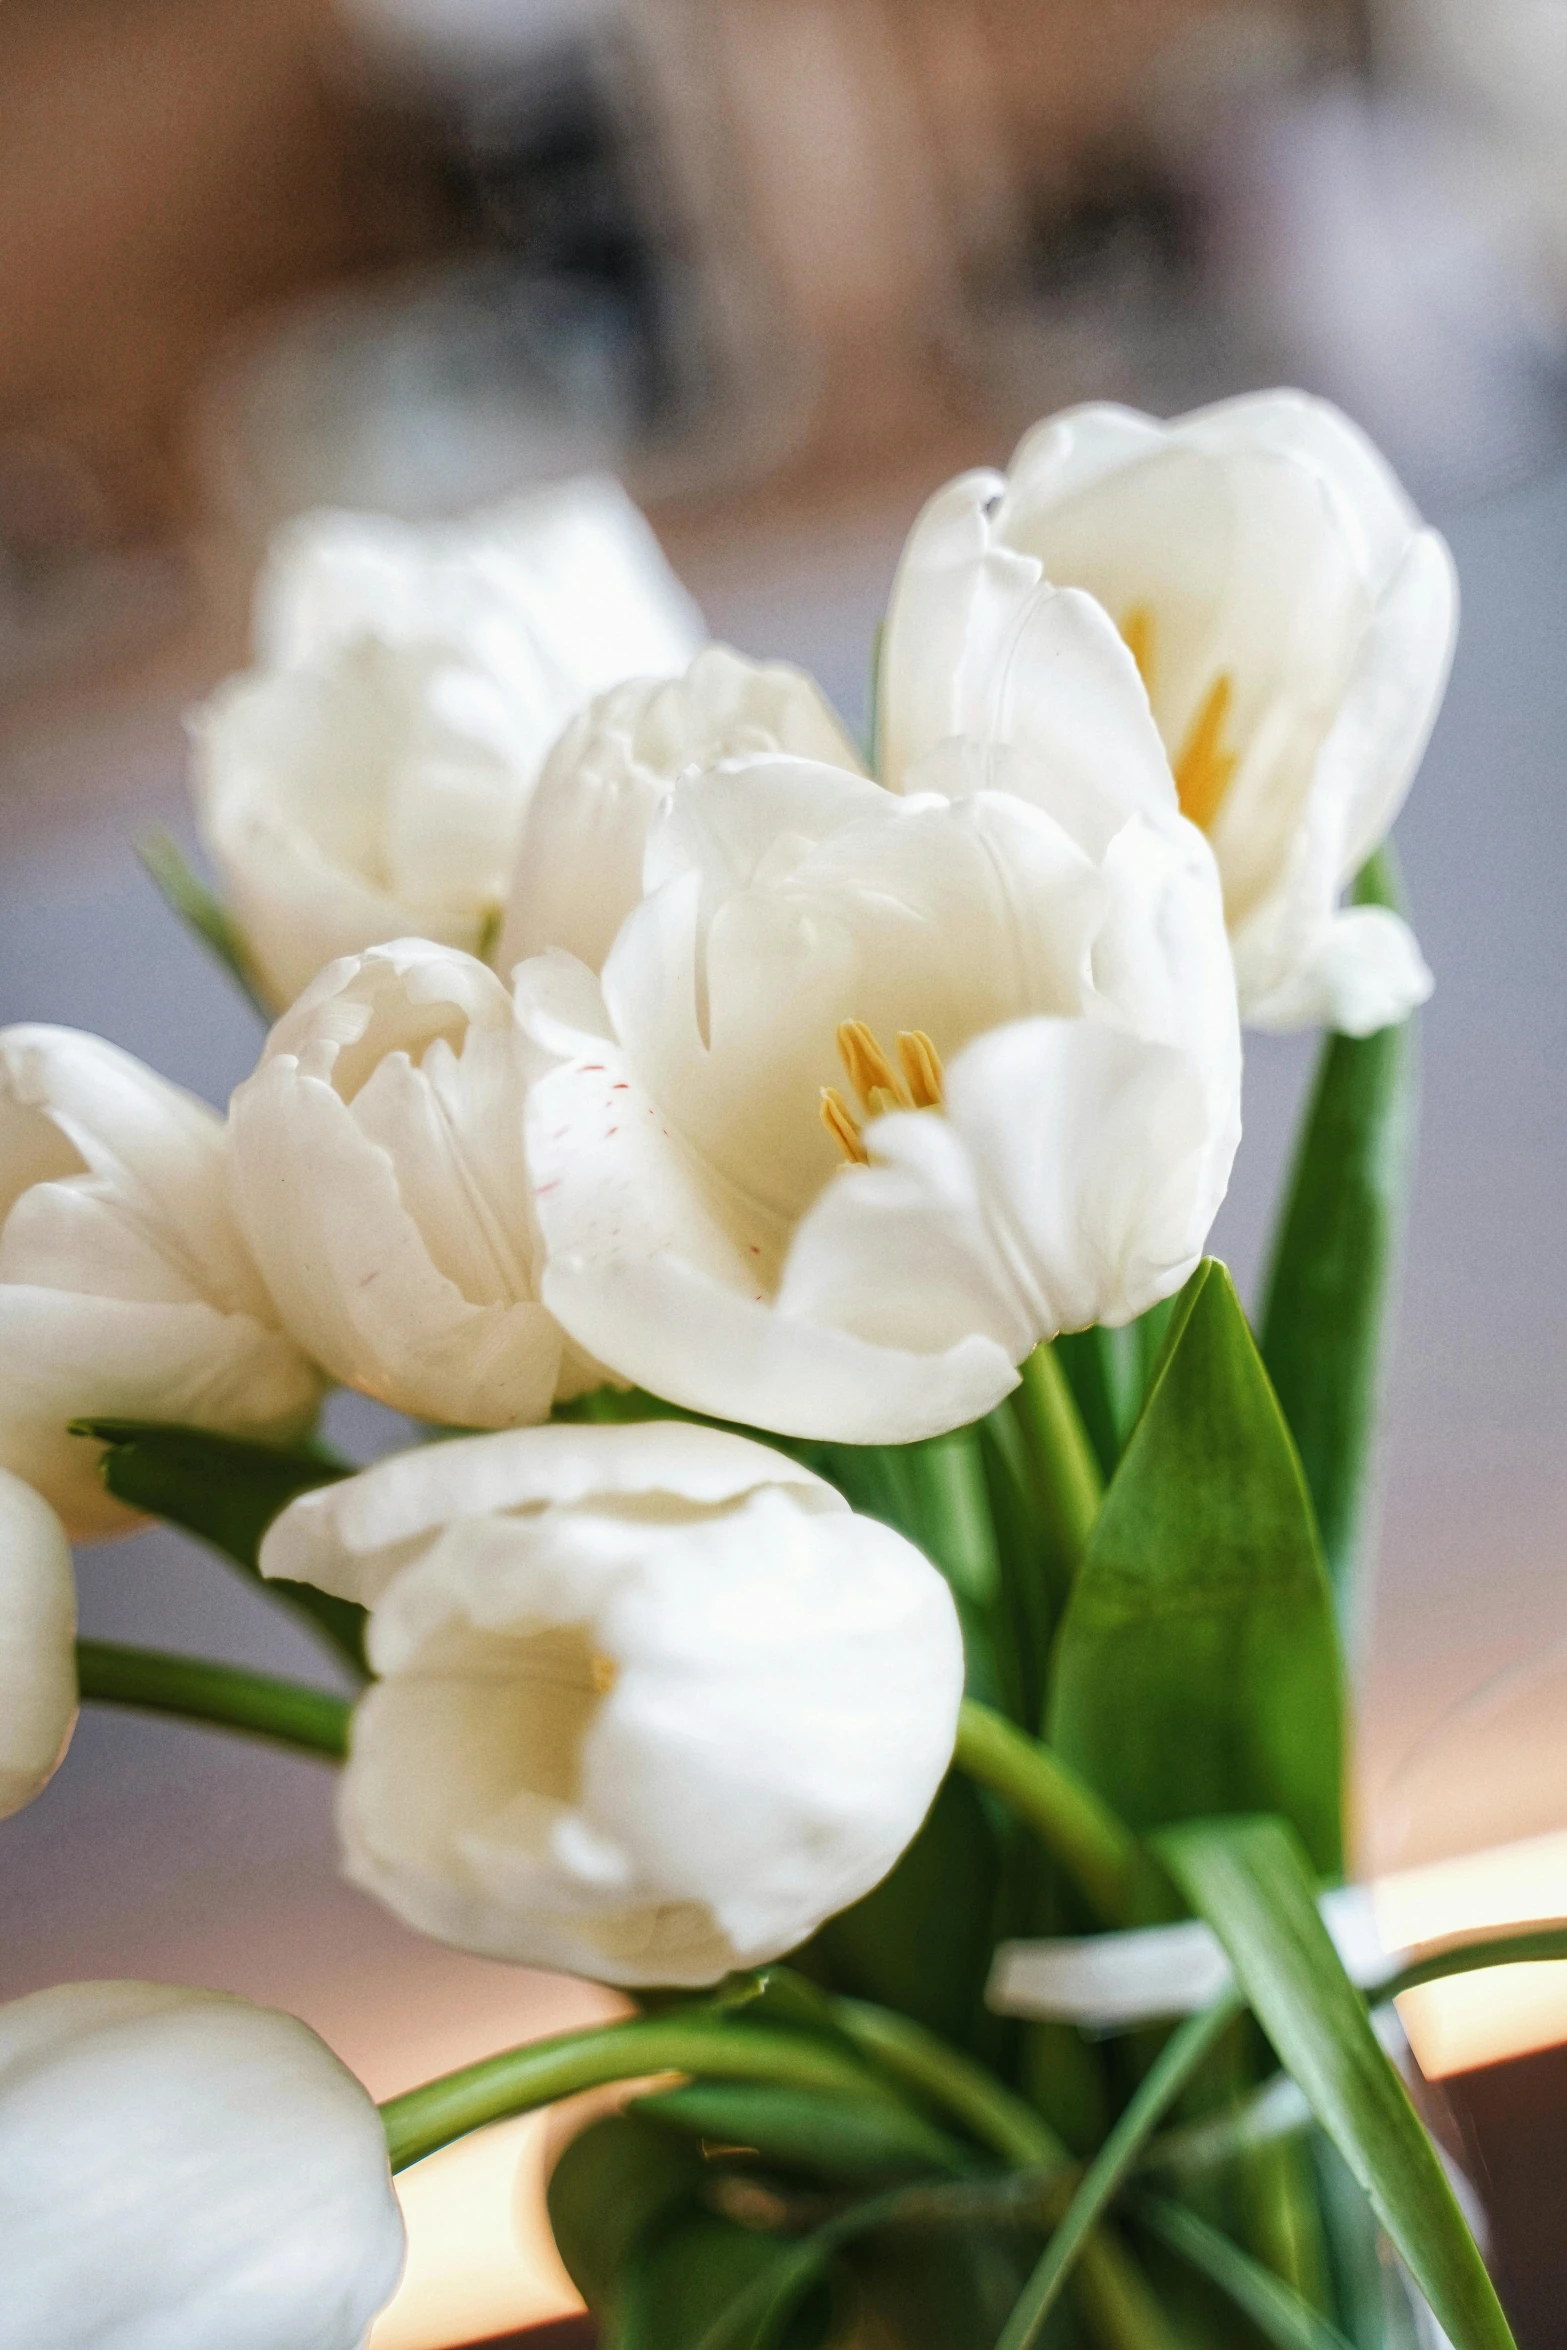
point(1205, 764)
point(914, 1084)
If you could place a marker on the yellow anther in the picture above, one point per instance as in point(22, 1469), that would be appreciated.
point(1204, 768)
point(1137, 633)
point(843, 1126)
point(868, 1069)
point(603, 1672)
point(922, 1071)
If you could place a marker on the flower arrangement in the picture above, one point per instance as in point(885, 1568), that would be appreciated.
point(863, 1588)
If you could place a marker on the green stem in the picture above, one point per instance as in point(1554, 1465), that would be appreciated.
point(1081, 1832)
point(964, 2090)
point(1068, 1486)
point(1275, 2309)
point(1527, 1946)
point(1117, 2302)
point(520, 2079)
point(197, 1691)
point(1179, 2059)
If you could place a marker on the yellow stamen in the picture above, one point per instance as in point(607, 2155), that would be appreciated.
point(922, 1071)
point(868, 1069)
point(1204, 768)
point(843, 1126)
point(603, 1672)
point(1137, 633)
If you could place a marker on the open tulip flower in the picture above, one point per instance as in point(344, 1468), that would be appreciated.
point(125, 1288)
point(869, 1589)
point(1293, 624)
point(368, 778)
point(878, 1091)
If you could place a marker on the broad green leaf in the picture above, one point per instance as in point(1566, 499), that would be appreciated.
point(682, 2279)
point(228, 1492)
point(1330, 1284)
point(920, 1941)
point(202, 912)
point(1197, 1668)
point(846, 2137)
point(1369, 2290)
point(1250, 1879)
point(617, 2180)
point(1278, 2313)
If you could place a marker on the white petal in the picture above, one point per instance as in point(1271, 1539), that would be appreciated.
point(956, 601)
point(1365, 972)
point(646, 1273)
point(349, 1538)
point(1389, 708)
point(37, 1643)
point(67, 1356)
point(1102, 1160)
point(180, 2170)
point(1063, 455)
point(1371, 500)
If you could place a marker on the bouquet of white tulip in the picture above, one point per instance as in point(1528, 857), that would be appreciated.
point(880, 1608)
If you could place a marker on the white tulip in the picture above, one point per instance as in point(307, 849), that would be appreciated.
point(1294, 625)
point(183, 2171)
point(368, 779)
point(653, 1703)
point(37, 1643)
point(378, 1173)
point(879, 1091)
point(579, 870)
point(125, 1289)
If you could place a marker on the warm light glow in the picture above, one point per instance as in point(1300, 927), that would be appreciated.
point(1496, 2012)
point(480, 2257)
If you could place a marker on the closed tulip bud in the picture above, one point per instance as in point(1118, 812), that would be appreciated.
point(37, 1643)
point(579, 869)
point(182, 2171)
point(653, 1702)
point(125, 1288)
point(367, 779)
point(378, 1173)
point(1293, 623)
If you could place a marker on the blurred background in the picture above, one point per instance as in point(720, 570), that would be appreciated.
point(786, 265)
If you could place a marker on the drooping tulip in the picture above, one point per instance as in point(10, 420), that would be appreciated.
point(652, 1701)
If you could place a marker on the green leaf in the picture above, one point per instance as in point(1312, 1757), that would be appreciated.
point(920, 1941)
point(1330, 1284)
point(617, 2180)
point(1197, 1668)
point(680, 2285)
point(189, 897)
point(843, 2136)
point(228, 1493)
point(1251, 1881)
point(1093, 1363)
point(1171, 2071)
point(1278, 2313)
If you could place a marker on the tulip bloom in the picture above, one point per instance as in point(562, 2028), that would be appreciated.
point(877, 1091)
point(1293, 623)
point(579, 870)
point(378, 1173)
point(368, 778)
point(653, 1702)
point(180, 2170)
point(125, 1289)
point(37, 1643)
